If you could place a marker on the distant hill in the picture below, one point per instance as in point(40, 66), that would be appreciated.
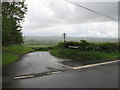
point(49, 40)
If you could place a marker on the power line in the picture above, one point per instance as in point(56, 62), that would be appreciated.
point(92, 10)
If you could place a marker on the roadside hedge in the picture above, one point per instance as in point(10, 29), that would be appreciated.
point(84, 45)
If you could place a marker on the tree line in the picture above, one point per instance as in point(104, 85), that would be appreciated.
point(13, 13)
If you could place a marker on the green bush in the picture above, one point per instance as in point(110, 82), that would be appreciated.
point(87, 50)
point(109, 47)
point(84, 45)
point(67, 44)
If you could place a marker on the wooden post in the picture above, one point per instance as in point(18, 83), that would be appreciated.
point(64, 35)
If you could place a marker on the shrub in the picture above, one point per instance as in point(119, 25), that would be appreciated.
point(67, 44)
point(84, 45)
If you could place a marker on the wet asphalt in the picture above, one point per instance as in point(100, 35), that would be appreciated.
point(104, 76)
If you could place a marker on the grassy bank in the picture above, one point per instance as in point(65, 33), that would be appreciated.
point(8, 58)
point(12, 53)
point(74, 54)
point(86, 50)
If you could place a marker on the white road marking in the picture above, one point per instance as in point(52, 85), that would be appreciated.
point(56, 72)
point(23, 77)
point(98, 64)
point(86, 66)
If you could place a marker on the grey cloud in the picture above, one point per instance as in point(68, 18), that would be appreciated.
point(62, 14)
point(80, 15)
point(53, 18)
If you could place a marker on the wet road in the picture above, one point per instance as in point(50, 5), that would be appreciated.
point(104, 76)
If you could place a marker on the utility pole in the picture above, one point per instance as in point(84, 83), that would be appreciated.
point(64, 36)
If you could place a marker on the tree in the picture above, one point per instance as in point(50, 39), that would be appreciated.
point(12, 16)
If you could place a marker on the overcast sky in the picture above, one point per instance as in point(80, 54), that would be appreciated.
point(46, 18)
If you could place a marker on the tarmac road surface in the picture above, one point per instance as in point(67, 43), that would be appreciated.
point(103, 76)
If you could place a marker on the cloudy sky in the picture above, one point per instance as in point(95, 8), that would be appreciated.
point(52, 18)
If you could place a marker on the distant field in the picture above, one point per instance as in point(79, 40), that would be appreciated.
point(35, 40)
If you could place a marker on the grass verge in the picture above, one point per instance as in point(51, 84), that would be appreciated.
point(18, 49)
point(8, 58)
point(74, 57)
point(12, 53)
point(74, 54)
